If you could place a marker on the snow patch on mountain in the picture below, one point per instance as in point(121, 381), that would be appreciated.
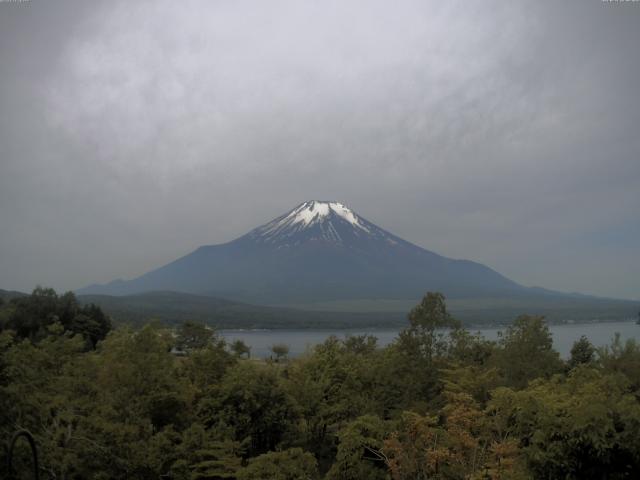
point(315, 211)
point(320, 216)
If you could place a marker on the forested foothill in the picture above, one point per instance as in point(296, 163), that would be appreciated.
point(438, 403)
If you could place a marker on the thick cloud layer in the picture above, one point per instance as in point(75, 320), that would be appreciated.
point(503, 132)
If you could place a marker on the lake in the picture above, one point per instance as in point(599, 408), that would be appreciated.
point(299, 341)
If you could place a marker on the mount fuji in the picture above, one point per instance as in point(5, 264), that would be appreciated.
point(319, 251)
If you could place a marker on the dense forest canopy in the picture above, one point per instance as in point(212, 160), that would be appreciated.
point(438, 403)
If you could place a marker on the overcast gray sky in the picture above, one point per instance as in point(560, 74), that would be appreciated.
point(502, 132)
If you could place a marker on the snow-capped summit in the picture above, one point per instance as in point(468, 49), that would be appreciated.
point(316, 220)
point(318, 211)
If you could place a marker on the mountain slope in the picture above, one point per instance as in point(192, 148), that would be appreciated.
point(7, 295)
point(319, 251)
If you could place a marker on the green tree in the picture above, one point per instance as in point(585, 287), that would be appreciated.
point(251, 405)
point(581, 426)
point(360, 344)
point(582, 353)
point(331, 387)
point(424, 337)
point(241, 349)
point(622, 357)
point(199, 454)
point(134, 366)
point(206, 366)
point(414, 360)
point(280, 350)
point(360, 451)
point(44, 390)
point(465, 348)
point(291, 464)
point(526, 352)
point(217, 460)
point(193, 336)
point(31, 316)
point(92, 324)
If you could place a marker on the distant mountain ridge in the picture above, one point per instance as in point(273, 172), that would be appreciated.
point(10, 294)
point(172, 308)
point(320, 251)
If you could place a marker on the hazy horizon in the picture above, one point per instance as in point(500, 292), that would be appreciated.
point(503, 133)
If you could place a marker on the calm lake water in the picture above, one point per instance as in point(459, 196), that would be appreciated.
point(299, 341)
